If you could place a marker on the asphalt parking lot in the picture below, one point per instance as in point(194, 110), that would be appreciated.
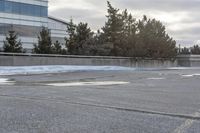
point(159, 101)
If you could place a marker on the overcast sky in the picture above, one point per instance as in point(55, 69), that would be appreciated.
point(181, 17)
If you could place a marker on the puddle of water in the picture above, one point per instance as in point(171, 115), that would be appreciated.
point(4, 81)
point(101, 83)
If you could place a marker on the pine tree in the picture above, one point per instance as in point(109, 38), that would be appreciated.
point(195, 49)
point(78, 38)
point(44, 43)
point(129, 34)
point(153, 41)
point(11, 44)
point(57, 48)
point(185, 51)
point(113, 29)
point(83, 34)
point(70, 41)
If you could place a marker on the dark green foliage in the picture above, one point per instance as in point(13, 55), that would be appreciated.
point(192, 50)
point(142, 38)
point(57, 49)
point(185, 51)
point(122, 35)
point(80, 38)
point(11, 44)
point(152, 40)
point(83, 36)
point(195, 49)
point(44, 43)
point(70, 41)
point(112, 31)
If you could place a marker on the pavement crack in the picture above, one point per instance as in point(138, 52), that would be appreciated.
point(183, 116)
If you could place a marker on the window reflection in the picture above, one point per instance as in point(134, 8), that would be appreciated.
point(21, 30)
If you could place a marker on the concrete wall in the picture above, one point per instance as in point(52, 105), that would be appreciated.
point(29, 59)
point(188, 60)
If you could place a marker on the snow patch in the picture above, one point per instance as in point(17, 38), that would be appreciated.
point(4, 81)
point(191, 75)
point(183, 68)
point(155, 78)
point(100, 83)
point(57, 69)
point(23, 70)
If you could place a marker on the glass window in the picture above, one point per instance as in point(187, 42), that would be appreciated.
point(16, 8)
point(21, 30)
point(2, 5)
point(23, 9)
point(8, 7)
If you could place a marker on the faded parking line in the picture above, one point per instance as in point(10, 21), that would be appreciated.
point(187, 124)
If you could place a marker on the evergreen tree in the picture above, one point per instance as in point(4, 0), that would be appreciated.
point(44, 43)
point(195, 49)
point(185, 51)
point(143, 38)
point(78, 39)
point(129, 34)
point(113, 29)
point(11, 44)
point(122, 35)
point(83, 34)
point(153, 41)
point(70, 41)
point(57, 48)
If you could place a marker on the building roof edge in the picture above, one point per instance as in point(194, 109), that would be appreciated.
point(59, 20)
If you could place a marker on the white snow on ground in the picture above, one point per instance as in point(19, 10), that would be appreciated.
point(4, 81)
point(8, 70)
point(191, 75)
point(183, 68)
point(96, 83)
point(155, 78)
point(57, 69)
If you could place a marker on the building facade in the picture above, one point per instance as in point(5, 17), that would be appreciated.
point(27, 17)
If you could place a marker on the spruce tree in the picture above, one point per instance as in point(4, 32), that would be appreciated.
point(44, 43)
point(70, 41)
point(153, 41)
point(57, 48)
point(11, 44)
point(78, 39)
point(185, 51)
point(113, 29)
point(83, 34)
point(195, 49)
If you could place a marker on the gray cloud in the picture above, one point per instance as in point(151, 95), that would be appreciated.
point(181, 17)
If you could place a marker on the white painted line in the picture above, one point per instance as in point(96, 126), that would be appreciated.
point(101, 83)
point(187, 124)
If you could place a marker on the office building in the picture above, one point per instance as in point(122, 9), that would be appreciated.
point(27, 17)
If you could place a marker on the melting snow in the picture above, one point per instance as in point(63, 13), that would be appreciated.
point(156, 78)
point(71, 68)
point(4, 81)
point(191, 75)
point(101, 83)
point(57, 69)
